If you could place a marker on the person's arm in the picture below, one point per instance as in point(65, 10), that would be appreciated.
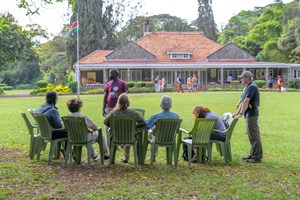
point(56, 118)
point(242, 109)
point(150, 123)
point(107, 119)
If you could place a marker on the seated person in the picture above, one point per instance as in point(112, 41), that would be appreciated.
point(204, 112)
point(74, 107)
point(122, 109)
point(51, 111)
point(165, 104)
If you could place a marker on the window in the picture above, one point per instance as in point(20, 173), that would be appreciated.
point(180, 55)
point(135, 75)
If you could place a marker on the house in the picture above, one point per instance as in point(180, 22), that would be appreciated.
point(171, 53)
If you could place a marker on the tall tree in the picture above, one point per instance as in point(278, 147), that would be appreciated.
point(206, 22)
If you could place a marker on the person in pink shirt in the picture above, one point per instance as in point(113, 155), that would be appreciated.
point(112, 90)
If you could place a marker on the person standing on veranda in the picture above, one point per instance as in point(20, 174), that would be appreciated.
point(279, 83)
point(195, 83)
point(249, 108)
point(190, 84)
point(112, 90)
point(179, 83)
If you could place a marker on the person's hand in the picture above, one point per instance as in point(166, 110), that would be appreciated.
point(237, 115)
point(103, 113)
point(237, 106)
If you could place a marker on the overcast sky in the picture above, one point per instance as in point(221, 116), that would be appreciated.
point(52, 17)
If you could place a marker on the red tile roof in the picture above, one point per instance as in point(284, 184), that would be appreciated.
point(97, 56)
point(159, 43)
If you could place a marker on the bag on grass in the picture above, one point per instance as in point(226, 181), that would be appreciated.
point(185, 151)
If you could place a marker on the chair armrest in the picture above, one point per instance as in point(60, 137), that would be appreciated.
point(59, 129)
point(181, 130)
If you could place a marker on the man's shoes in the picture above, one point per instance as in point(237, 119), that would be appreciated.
point(106, 157)
point(123, 159)
point(252, 160)
point(246, 158)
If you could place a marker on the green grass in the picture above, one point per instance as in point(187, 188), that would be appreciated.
point(12, 92)
point(276, 178)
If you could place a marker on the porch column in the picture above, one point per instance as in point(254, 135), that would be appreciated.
point(104, 76)
point(222, 76)
point(152, 74)
point(128, 75)
point(267, 74)
point(175, 78)
point(198, 77)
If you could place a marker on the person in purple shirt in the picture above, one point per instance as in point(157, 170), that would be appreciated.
point(165, 104)
point(204, 112)
point(112, 90)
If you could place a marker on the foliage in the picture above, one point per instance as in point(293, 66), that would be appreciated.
point(42, 84)
point(25, 87)
point(130, 84)
point(141, 90)
point(140, 84)
point(163, 22)
point(149, 84)
point(205, 20)
point(1, 91)
point(8, 88)
point(94, 91)
point(73, 86)
point(260, 83)
point(294, 83)
point(60, 89)
point(3, 85)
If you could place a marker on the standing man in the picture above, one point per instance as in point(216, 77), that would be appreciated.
point(195, 83)
point(112, 90)
point(179, 83)
point(249, 109)
point(156, 84)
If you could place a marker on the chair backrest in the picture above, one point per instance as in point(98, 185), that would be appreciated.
point(29, 125)
point(140, 111)
point(166, 130)
point(44, 126)
point(123, 129)
point(230, 128)
point(202, 130)
point(76, 128)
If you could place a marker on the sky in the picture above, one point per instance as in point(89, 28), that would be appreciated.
point(53, 17)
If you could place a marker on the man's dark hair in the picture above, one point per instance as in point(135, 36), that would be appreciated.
point(51, 98)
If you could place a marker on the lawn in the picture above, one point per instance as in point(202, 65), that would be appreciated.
point(277, 177)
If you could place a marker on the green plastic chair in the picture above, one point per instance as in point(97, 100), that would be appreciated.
point(34, 135)
point(225, 147)
point(46, 136)
point(165, 136)
point(123, 132)
point(201, 132)
point(140, 111)
point(78, 136)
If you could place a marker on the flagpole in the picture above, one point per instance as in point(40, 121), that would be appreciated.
point(77, 68)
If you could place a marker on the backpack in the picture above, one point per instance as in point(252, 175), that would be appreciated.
point(185, 151)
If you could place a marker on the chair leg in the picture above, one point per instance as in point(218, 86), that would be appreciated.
point(224, 153)
point(152, 150)
point(169, 155)
point(145, 147)
point(113, 149)
point(175, 155)
point(209, 152)
point(52, 148)
point(57, 150)
point(40, 143)
point(228, 145)
point(189, 148)
point(135, 149)
point(89, 152)
point(68, 152)
point(100, 142)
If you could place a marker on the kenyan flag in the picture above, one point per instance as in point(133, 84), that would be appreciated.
point(74, 28)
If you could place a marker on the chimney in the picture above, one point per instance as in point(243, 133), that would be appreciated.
point(147, 28)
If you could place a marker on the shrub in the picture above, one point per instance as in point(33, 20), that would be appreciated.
point(25, 87)
point(140, 84)
point(130, 84)
point(42, 84)
point(141, 90)
point(73, 86)
point(3, 85)
point(235, 82)
point(260, 83)
point(94, 91)
point(294, 83)
point(149, 84)
point(8, 88)
point(1, 91)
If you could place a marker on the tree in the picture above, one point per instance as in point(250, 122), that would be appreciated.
point(163, 22)
point(18, 60)
point(206, 22)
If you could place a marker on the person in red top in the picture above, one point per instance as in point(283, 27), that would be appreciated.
point(112, 90)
